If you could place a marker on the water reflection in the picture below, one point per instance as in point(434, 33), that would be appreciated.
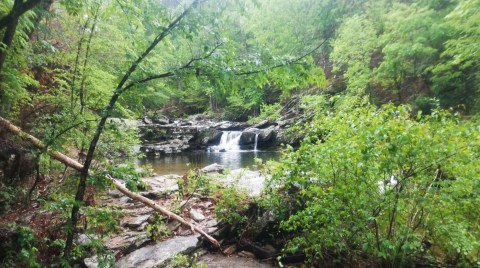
point(182, 162)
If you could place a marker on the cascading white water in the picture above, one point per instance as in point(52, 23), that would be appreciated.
point(256, 142)
point(229, 141)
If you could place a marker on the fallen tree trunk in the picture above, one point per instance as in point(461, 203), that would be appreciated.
point(5, 124)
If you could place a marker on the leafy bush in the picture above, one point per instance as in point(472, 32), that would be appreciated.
point(380, 186)
point(20, 248)
point(184, 261)
point(232, 206)
point(267, 112)
point(157, 229)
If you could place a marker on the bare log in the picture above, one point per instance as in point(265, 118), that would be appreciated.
point(5, 124)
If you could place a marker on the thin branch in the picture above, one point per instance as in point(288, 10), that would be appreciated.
point(289, 62)
point(172, 73)
point(155, 42)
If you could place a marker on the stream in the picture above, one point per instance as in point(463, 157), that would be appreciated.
point(181, 163)
point(228, 153)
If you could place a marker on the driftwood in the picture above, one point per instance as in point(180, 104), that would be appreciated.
point(5, 124)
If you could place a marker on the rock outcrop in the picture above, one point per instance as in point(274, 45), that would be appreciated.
point(168, 136)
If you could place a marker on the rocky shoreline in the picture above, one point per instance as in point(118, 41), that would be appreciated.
point(132, 247)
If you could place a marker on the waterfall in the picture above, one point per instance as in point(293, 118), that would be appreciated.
point(256, 142)
point(229, 141)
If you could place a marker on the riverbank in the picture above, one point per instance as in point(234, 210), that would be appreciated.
point(136, 244)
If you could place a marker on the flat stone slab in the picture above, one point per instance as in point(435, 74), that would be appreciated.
point(157, 255)
point(161, 185)
point(253, 182)
point(134, 222)
point(126, 240)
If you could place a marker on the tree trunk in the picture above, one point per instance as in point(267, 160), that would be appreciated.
point(19, 8)
point(121, 87)
point(7, 39)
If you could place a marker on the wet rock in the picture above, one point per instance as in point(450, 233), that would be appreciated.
point(248, 136)
point(160, 186)
point(211, 223)
point(231, 126)
point(147, 120)
point(91, 262)
point(157, 255)
point(266, 134)
point(135, 222)
point(83, 239)
point(115, 193)
point(162, 120)
point(213, 168)
point(253, 182)
point(204, 137)
point(262, 124)
point(196, 215)
point(220, 261)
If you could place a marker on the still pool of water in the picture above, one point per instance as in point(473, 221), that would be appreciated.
point(181, 163)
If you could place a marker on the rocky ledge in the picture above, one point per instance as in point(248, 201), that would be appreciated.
point(168, 136)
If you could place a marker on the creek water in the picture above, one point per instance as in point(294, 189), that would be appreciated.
point(181, 163)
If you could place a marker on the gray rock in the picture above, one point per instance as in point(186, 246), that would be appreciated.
point(91, 262)
point(213, 168)
point(196, 215)
point(248, 136)
point(252, 182)
point(82, 239)
point(211, 223)
point(162, 120)
point(127, 241)
point(286, 123)
point(160, 186)
point(266, 134)
point(263, 124)
point(115, 193)
point(157, 255)
point(210, 230)
point(221, 261)
point(135, 222)
point(147, 120)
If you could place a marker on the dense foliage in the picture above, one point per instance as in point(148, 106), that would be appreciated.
point(383, 176)
point(382, 186)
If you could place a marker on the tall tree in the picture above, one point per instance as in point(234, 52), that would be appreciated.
point(456, 79)
point(10, 22)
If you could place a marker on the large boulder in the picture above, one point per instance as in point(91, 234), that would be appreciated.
point(161, 120)
point(206, 136)
point(231, 126)
point(263, 124)
point(248, 136)
point(157, 255)
point(267, 134)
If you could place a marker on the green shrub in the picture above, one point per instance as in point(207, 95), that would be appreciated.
point(20, 249)
point(377, 185)
point(157, 229)
point(267, 112)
